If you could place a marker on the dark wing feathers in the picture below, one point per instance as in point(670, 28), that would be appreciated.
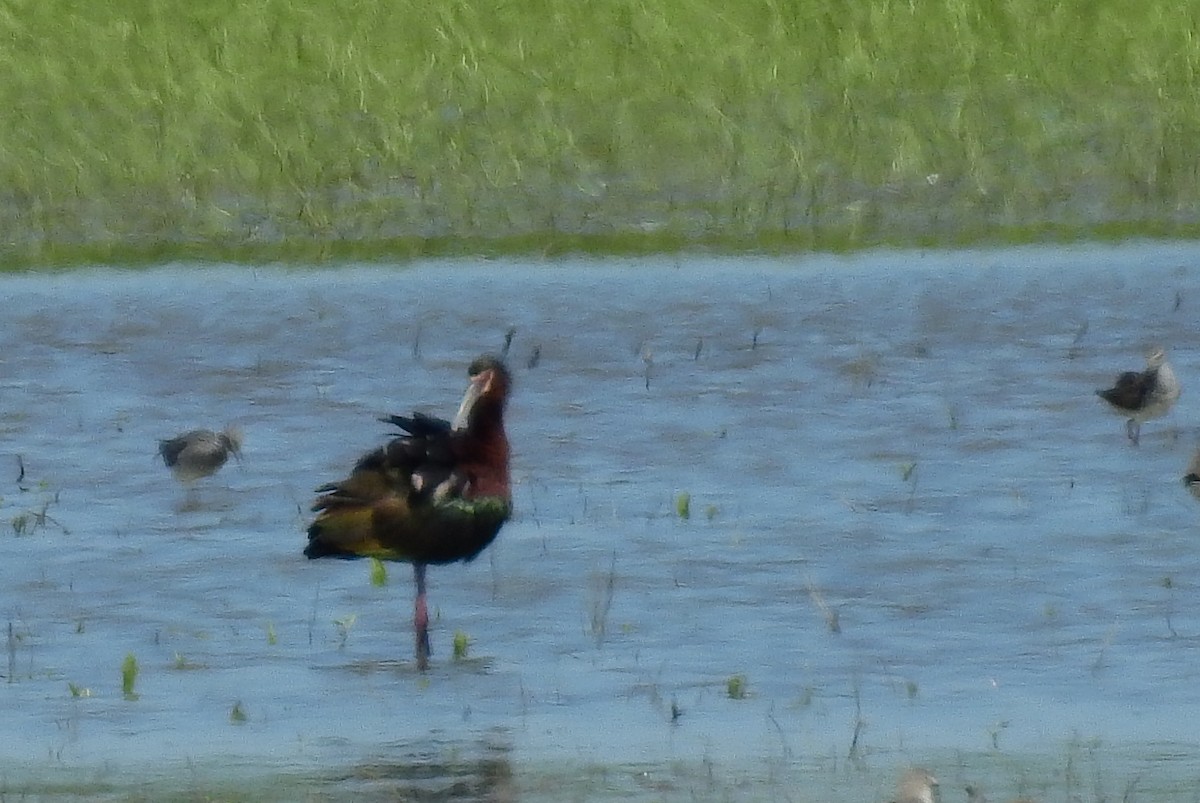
point(171, 449)
point(419, 465)
point(420, 424)
point(1130, 390)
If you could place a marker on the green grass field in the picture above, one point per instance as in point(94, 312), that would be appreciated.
point(144, 130)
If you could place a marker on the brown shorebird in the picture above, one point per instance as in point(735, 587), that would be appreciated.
point(1144, 395)
point(917, 785)
point(438, 493)
point(199, 453)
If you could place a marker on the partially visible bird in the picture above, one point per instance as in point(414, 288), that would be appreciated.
point(200, 453)
point(1144, 395)
point(438, 493)
point(917, 785)
point(1191, 480)
point(975, 795)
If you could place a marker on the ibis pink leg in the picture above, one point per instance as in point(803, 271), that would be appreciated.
point(421, 619)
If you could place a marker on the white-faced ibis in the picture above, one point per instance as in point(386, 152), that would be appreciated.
point(199, 453)
point(917, 785)
point(1143, 395)
point(438, 493)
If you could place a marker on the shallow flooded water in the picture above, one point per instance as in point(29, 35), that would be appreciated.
point(914, 534)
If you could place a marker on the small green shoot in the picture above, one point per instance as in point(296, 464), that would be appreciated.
point(79, 691)
point(237, 714)
point(735, 687)
point(129, 674)
point(683, 505)
point(461, 644)
point(183, 664)
point(272, 639)
point(378, 573)
point(710, 512)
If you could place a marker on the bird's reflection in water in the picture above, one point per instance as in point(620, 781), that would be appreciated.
point(478, 772)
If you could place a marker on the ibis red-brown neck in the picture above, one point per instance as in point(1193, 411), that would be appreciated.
point(480, 424)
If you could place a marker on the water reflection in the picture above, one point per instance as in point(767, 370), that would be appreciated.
point(481, 773)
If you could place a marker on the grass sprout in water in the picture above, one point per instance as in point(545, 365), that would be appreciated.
point(31, 518)
point(683, 505)
point(129, 675)
point(462, 644)
point(237, 715)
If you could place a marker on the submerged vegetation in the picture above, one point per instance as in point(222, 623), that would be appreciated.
point(260, 130)
point(29, 514)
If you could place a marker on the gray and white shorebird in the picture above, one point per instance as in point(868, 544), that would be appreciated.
point(199, 453)
point(1144, 395)
point(1191, 480)
point(917, 785)
point(975, 795)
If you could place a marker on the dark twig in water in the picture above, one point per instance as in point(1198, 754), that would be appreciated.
point(312, 620)
point(1109, 637)
point(699, 348)
point(508, 339)
point(787, 748)
point(1131, 789)
point(908, 473)
point(535, 357)
point(859, 724)
point(21, 473)
point(602, 606)
point(42, 517)
point(495, 575)
point(12, 654)
point(1169, 585)
point(1076, 344)
point(830, 614)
